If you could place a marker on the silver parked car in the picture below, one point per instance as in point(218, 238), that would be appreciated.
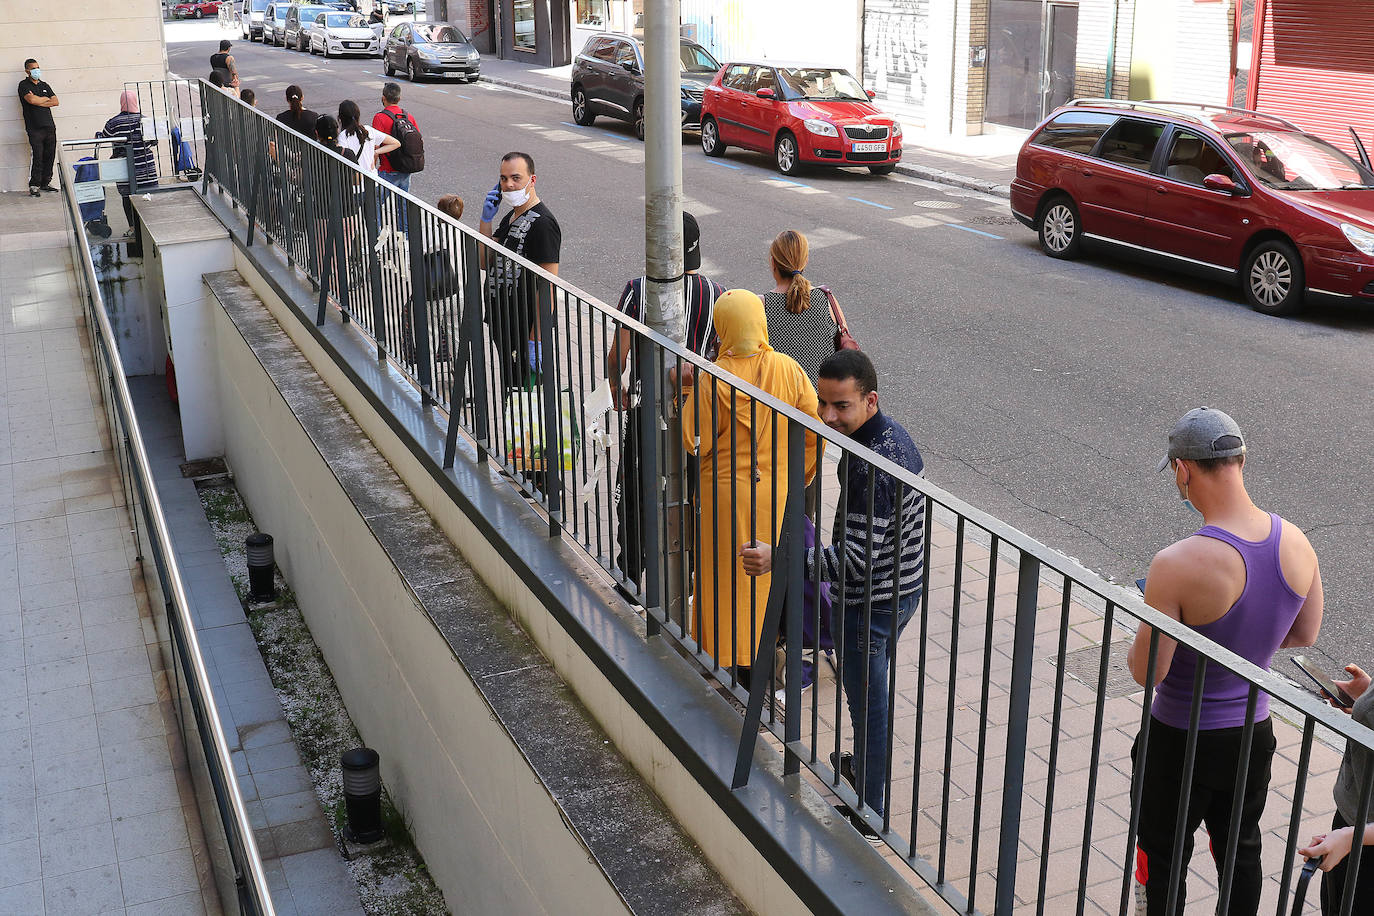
point(339, 33)
point(300, 19)
point(430, 49)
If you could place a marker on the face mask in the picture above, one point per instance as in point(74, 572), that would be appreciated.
point(36, 74)
point(516, 198)
point(1188, 502)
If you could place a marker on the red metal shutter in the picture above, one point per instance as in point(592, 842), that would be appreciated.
point(1316, 67)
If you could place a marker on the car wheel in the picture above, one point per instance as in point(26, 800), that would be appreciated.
point(886, 169)
point(1273, 278)
point(710, 138)
point(580, 113)
point(325, 51)
point(785, 154)
point(413, 72)
point(390, 70)
point(639, 119)
point(1061, 233)
point(199, 14)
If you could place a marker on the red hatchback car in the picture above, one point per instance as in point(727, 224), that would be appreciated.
point(196, 10)
point(803, 115)
point(1231, 193)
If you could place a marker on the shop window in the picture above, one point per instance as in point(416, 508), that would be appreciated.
point(523, 19)
point(593, 14)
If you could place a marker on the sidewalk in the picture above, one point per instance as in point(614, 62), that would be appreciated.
point(97, 810)
point(984, 163)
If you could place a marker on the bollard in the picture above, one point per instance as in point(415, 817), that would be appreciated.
point(261, 585)
point(362, 786)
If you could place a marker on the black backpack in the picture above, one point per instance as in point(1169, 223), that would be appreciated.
point(410, 158)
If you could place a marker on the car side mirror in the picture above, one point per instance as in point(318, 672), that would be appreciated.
point(871, 94)
point(1221, 183)
point(766, 94)
point(629, 67)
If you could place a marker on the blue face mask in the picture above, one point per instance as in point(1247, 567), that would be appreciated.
point(36, 74)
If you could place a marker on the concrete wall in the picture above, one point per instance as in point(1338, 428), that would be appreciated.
point(1182, 51)
point(491, 836)
point(733, 854)
point(87, 50)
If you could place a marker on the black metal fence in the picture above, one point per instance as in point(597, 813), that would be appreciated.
point(234, 860)
point(172, 127)
point(998, 729)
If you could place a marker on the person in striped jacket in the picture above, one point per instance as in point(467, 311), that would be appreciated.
point(874, 564)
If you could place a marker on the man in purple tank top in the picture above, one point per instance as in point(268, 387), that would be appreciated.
point(1249, 581)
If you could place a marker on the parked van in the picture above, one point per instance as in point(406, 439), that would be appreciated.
point(250, 15)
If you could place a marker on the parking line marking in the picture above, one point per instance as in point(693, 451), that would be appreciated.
point(870, 203)
point(444, 91)
point(369, 73)
point(725, 165)
point(796, 186)
point(570, 124)
point(975, 231)
point(468, 97)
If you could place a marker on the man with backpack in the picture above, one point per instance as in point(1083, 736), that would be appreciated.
point(397, 166)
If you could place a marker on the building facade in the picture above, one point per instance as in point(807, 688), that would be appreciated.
point(86, 59)
point(1310, 61)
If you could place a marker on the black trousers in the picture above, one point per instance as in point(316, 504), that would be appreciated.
point(1212, 790)
point(43, 143)
point(629, 536)
point(1334, 881)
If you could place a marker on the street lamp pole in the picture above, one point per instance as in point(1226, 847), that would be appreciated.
point(664, 299)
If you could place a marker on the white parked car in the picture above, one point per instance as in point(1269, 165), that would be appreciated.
point(339, 33)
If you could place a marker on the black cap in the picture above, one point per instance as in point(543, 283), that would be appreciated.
point(691, 242)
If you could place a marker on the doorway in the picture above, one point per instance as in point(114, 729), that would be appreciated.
point(1032, 60)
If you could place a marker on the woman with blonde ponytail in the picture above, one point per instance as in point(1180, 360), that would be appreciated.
point(800, 321)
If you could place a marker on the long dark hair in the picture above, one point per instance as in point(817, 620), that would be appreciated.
point(293, 99)
point(349, 118)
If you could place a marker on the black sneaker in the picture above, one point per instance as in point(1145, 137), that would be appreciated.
point(47, 187)
point(843, 763)
point(867, 832)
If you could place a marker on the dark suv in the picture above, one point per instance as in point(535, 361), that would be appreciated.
point(1230, 193)
point(608, 79)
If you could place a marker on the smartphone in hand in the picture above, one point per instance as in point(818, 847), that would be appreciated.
point(1324, 682)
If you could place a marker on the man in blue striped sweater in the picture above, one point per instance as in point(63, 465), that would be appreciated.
point(875, 562)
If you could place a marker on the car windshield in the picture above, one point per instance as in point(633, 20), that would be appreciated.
point(427, 32)
point(696, 60)
point(309, 13)
point(820, 83)
point(1291, 161)
point(259, 5)
point(345, 21)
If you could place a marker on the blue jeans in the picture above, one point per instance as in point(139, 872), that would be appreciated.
point(402, 181)
point(870, 710)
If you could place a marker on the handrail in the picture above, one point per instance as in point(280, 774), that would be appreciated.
point(254, 882)
point(325, 215)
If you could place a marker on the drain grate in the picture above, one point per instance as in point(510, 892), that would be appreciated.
point(937, 204)
point(1083, 665)
point(991, 220)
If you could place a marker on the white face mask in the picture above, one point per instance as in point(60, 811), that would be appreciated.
point(516, 198)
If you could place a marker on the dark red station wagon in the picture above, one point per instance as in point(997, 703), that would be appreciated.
point(1220, 191)
point(802, 114)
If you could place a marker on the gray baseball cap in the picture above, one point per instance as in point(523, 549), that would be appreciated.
point(1202, 433)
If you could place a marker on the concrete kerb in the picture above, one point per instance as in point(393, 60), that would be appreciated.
point(903, 168)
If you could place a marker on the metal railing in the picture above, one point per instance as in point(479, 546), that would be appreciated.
point(237, 866)
point(1006, 781)
point(172, 118)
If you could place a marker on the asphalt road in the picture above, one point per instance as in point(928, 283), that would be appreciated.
point(1041, 391)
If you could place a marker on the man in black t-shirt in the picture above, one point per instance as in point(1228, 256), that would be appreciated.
point(530, 231)
point(38, 100)
point(224, 62)
point(701, 294)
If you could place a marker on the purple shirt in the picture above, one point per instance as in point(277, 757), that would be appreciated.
point(1253, 628)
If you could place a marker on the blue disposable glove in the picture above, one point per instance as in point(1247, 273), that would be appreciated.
point(491, 204)
point(534, 354)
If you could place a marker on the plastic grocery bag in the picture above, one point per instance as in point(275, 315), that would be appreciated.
point(526, 450)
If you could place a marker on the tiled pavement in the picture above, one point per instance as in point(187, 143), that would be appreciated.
point(96, 809)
